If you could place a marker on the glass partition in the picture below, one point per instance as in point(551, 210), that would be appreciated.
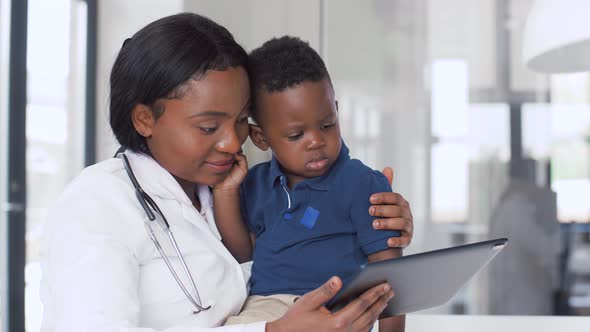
point(56, 58)
point(4, 40)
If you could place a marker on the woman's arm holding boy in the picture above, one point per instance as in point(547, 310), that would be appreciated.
point(392, 212)
point(376, 244)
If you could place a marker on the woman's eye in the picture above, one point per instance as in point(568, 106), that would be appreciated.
point(295, 137)
point(208, 130)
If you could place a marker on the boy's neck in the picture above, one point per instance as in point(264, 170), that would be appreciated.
point(293, 180)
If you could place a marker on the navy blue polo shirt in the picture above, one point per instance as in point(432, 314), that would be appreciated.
point(318, 229)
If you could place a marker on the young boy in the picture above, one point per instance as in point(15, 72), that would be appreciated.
point(306, 209)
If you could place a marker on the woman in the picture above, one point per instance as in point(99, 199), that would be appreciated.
point(179, 105)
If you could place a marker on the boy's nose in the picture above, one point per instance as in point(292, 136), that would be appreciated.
point(316, 141)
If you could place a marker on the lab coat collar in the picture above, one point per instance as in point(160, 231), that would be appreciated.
point(157, 181)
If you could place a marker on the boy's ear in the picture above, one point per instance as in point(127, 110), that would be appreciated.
point(143, 120)
point(257, 137)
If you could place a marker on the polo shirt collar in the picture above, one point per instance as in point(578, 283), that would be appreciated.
point(320, 182)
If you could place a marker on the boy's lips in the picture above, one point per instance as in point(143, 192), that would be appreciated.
point(317, 164)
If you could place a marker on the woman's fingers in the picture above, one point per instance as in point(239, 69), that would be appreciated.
point(319, 296)
point(367, 320)
point(401, 224)
point(395, 215)
point(399, 242)
point(390, 211)
point(363, 305)
point(389, 198)
point(388, 172)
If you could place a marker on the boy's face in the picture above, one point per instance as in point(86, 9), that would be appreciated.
point(300, 125)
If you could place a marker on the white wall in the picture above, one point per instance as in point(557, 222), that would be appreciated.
point(251, 23)
point(118, 20)
point(255, 21)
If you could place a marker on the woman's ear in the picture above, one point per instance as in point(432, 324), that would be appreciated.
point(257, 137)
point(143, 120)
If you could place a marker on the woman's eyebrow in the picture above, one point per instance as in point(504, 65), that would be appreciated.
point(208, 113)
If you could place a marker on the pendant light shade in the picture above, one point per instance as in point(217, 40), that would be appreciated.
point(557, 36)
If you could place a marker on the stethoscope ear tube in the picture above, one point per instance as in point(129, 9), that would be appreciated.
point(139, 194)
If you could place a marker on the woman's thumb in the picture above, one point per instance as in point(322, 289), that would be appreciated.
point(319, 296)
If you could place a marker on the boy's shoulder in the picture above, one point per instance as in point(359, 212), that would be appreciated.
point(354, 177)
point(355, 169)
point(257, 175)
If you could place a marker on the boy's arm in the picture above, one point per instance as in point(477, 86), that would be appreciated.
point(396, 323)
point(234, 233)
point(226, 207)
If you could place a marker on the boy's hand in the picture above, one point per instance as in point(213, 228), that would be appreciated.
point(394, 214)
point(236, 175)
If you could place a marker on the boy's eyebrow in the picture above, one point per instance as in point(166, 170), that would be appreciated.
point(330, 115)
point(294, 124)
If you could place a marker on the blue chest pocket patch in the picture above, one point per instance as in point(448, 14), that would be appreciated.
point(310, 216)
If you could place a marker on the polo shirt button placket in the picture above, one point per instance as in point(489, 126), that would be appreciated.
point(286, 215)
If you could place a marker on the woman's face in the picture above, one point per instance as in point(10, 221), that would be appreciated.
point(198, 136)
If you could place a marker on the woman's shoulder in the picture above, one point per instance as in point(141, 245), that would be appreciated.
point(100, 191)
point(99, 202)
point(105, 175)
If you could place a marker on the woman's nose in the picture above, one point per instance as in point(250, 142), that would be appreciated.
point(229, 142)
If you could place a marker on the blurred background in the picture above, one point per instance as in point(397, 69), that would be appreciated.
point(482, 147)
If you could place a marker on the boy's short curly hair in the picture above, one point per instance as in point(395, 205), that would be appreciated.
point(284, 62)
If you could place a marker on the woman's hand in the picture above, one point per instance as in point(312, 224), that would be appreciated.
point(309, 313)
point(394, 214)
point(236, 175)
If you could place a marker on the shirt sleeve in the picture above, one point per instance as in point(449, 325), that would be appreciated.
point(90, 268)
point(370, 239)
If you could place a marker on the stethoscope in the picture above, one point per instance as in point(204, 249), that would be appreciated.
point(146, 202)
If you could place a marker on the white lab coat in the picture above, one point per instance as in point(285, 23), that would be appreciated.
point(102, 272)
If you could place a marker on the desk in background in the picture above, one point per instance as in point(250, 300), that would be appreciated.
point(458, 323)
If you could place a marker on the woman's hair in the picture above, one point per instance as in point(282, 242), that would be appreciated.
point(159, 60)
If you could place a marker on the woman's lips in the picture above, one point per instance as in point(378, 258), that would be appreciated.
point(221, 166)
point(317, 165)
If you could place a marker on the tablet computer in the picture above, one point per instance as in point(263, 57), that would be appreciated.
point(423, 280)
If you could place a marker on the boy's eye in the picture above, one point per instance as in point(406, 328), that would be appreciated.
point(329, 125)
point(295, 137)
